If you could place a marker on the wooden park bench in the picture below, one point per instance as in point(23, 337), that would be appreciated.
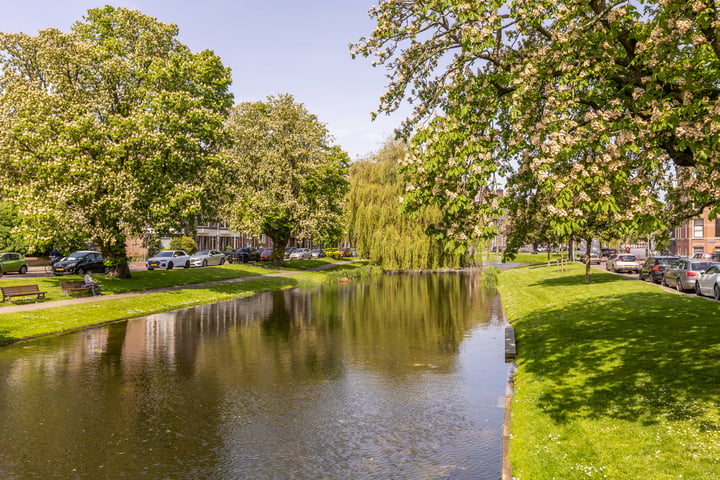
point(9, 293)
point(71, 287)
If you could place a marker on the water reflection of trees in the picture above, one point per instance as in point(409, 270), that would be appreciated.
point(420, 318)
point(107, 385)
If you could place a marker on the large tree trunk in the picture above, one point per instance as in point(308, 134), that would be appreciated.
point(279, 233)
point(116, 260)
point(588, 249)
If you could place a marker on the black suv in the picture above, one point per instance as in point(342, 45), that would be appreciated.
point(653, 268)
point(243, 255)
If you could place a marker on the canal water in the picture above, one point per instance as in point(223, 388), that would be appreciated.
point(398, 377)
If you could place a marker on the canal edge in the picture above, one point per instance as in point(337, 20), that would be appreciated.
point(510, 356)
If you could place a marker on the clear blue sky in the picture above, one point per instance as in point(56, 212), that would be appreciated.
point(272, 46)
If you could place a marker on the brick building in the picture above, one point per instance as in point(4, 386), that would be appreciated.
point(697, 235)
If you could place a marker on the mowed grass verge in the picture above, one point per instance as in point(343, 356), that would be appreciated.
point(20, 325)
point(618, 379)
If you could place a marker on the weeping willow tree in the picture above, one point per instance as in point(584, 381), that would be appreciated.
point(379, 228)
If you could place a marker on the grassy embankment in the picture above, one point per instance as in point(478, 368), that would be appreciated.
point(14, 326)
point(618, 379)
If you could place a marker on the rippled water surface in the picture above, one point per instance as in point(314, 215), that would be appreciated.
point(400, 377)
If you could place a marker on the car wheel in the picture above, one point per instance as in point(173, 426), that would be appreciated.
point(80, 271)
point(187, 264)
point(222, 261)
point(170, 266)
point(716, 292)
point(23, 270)
point(204, 264)
point(697, 289)
point(678, 286)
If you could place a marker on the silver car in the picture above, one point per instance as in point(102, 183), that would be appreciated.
point(709, 282)
point(682, 274)
point(622, 262)
point(203, 258)
point(301, 254)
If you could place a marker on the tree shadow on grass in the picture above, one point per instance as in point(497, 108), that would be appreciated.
point(595, 278)
point(639, 357)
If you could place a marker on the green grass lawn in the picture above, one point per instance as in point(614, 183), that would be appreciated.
point(618, 379)
point(19, 325)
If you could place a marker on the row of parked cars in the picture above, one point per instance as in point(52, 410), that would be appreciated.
point(169, 259)
point(701, 274)
point(82, 261)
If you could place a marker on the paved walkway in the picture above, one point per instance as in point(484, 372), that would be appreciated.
point(80, 300)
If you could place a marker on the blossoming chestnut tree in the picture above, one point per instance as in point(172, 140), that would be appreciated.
point(110, 129)
point(571, 108)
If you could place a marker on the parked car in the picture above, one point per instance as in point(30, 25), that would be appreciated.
point(244, 255)
point(708, 283)
point(203, 258)
point(622, 262)
point(169, 259)
point(265, 255)
point(606, 252)
point(301, 254)
point(80, 262)
point(683, 273)
point(704, 256)
point(13, 262)
point(317, 253)
point(288, 252)
point(654, 267)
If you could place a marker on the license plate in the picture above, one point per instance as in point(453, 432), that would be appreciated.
point(154, 264)
point(60, 269)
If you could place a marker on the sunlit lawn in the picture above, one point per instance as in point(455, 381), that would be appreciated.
point(141, 280)
point(617, 379)
point(20, 325)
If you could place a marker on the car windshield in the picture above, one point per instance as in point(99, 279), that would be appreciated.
point(167, 253)
point(203, 252)
point(75, 256)
point(665, 261)
point(700, 266)
point(626, 258)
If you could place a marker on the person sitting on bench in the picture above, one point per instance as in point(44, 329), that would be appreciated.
point(94, 286)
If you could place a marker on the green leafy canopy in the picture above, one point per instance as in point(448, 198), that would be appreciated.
point(111, 128)
point(570, 108)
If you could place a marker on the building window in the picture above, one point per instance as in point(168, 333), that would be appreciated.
point(717, 227)
point(698, 230)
